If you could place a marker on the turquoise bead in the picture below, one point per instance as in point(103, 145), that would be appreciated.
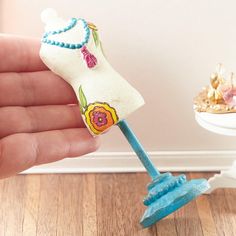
point(73, 22)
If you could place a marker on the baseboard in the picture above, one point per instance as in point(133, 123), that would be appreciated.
point(104, 162)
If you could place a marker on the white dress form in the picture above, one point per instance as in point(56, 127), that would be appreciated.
point(105, 96)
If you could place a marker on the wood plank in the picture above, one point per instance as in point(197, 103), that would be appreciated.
point(119, 204)
point(187, 219)
point(204, 210)
point(2, 206)
point(48, 205)
point(219, 210)
point(70, 205)
point(12, 205)
point(105, 206)
point(230, 196)
point(89, 205)
point(167, 226)
point(31, 205)
point(131, 190)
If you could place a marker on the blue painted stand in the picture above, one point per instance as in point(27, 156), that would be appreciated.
point(166, 193)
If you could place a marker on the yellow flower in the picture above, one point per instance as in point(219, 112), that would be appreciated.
point(100, 116)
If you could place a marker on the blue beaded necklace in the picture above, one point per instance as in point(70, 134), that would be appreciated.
point(70, 26)
point(88, 57)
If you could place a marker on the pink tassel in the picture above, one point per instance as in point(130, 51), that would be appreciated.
point(90, 59)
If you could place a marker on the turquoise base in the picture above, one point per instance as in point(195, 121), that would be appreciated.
point(167, 194)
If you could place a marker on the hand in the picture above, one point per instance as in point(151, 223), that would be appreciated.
point(37, 125)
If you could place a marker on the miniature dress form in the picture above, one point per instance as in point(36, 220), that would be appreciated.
point(72, 50)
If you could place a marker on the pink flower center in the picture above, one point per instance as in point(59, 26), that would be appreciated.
point(99, 118)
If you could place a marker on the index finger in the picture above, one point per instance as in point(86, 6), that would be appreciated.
point(19, 54)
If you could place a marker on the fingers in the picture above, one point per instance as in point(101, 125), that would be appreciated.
point(20, 54)
point(39, 118)
point(22, 151)
point(34, 88)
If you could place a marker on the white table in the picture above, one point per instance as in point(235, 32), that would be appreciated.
point(224, 124)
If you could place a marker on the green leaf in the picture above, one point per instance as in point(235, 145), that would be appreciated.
point(95, 37)
point(82, 98)
point(81, 109)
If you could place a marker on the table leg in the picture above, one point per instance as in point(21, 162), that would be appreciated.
point(226, 179)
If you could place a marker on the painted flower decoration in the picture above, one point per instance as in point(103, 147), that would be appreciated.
point(99, 116)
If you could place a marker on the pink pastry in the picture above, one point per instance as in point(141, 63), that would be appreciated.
point(229, 96)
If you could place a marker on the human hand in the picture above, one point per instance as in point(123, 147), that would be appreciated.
point(37, 125)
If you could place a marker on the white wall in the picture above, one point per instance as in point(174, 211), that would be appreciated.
point(166, 48)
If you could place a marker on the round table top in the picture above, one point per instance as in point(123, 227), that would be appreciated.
point(224, 124)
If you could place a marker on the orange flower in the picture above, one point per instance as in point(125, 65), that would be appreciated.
point(100, 116)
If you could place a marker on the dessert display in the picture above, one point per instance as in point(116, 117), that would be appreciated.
point(220, 96)
point(215, 105)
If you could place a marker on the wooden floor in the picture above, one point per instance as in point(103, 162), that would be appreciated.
point(104, 205)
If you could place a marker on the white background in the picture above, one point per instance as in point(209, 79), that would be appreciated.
point(167, 49)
